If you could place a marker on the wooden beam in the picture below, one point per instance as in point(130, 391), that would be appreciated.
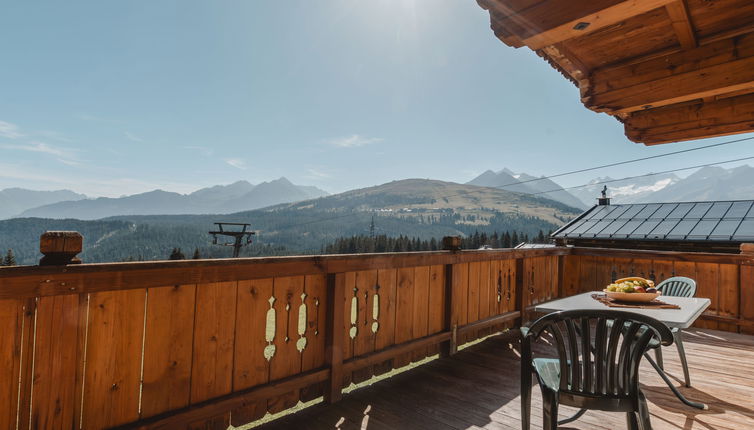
point(679, 18)
point(727, 116)
point(36, 281)
point(589, 23)
point(549, 22)
point(711, 70)
point(180, 418)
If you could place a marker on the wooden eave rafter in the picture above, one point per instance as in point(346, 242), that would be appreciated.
point(707, 79)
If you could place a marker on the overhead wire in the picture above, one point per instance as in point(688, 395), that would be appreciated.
point(570, 173)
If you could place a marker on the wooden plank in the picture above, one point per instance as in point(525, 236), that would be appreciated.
point(12, 325)
point(214, 335)
point(449, 312)
point(348, 320)
point(747, 297)
point(402, 349)
point(366, 281)
point(571, 275)
point(588, 274)
point(404, 327)
point(662, 270)
point(387, 279)
point(420, 312)
point(36, 281)
point(28, 343)
point(336, 288)
point(679, 18)
point(436, 302)
point(692, 121)
point(205, 411)
point(551, 22)
point(702, 257)
point(287, 359)
point(484, 290)
point(520, 294)
point(728, 294)
point(678, 87)
point(473, 292)
point(250, 367)
point(707, 284)
point(113, 358)
point(56, 362)
point(168, 349)
point(313, 356)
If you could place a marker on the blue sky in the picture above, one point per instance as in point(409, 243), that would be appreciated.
point(112, 98)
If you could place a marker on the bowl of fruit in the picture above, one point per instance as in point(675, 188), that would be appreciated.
point(633, 289)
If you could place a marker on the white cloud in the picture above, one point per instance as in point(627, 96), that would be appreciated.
point(9, 130)
point(133, 137)
point(316, 174)
point(353, 141)
point(236, 162)
point(201, 149)
point(36, 147)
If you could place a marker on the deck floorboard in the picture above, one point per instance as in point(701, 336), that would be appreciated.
point(478, 388)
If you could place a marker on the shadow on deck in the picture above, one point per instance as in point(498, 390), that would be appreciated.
point(479, 388)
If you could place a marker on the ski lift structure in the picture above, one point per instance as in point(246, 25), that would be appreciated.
point(240, 232)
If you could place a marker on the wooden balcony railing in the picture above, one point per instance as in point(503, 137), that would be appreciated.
point(210, 342)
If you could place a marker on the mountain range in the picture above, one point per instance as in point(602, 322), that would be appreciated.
point(414, 207)
point(708, 183)
point(527, 184)
point(238, 196)
point(14, 201)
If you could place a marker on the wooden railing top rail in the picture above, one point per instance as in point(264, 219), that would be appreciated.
point(700, 257)
point(39, 281)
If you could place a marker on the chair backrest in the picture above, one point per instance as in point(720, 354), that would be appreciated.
point(599, 350)
point(678, 286)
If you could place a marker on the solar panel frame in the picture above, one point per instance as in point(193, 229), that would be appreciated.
point(683, 221)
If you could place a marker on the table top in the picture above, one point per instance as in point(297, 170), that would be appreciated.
point(691, 308)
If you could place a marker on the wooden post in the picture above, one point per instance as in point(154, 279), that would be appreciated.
point(60, 247)
point(336, 287)
point(520, 302)
point(450, 347)
point(747, 248)
point(453, 244)
point(561, 270)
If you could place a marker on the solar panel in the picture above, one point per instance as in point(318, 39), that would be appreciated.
point(648, 210)
point(682, 229)
point(663, 211)
point(632, 211)
point(738, 210)
point(662, 229)
point(627, 229)
point(688, 221)
point(612, 228)
point(699, 210)
point(718, 210)
point(724, 230)
point(681, 210)
point(745, 230)
point(644, 229)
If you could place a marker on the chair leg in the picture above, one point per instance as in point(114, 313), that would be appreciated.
point(678, 339)
point(526, 371)
point(631, 422)
point(658, 357)
point(549, 409)
point(644, 421)
point(525, 401)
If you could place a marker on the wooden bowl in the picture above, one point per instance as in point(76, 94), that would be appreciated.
point(632, 297)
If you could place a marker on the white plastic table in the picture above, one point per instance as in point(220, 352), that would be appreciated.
point(691, 309)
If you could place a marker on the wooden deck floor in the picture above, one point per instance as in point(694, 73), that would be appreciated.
point(479, 388)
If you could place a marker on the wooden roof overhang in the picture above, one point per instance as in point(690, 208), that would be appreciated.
point(669, 70)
